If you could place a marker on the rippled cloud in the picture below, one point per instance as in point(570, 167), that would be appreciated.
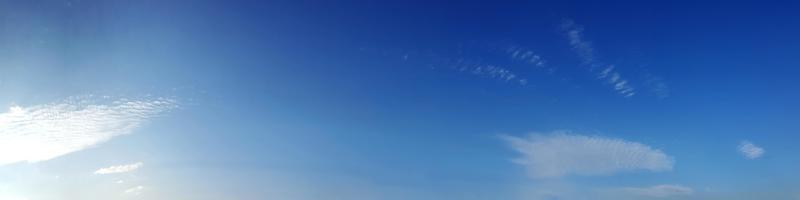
point(562, 153)
point(42, 132)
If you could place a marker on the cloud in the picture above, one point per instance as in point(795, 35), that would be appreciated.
point(615, 79)
point(42, 132)
point(494, 72)
point(658, 191)
point(586, 53)
point(526, 56)
point(134, 190)
point(583, 48)
point(488, 70)
point(657, 86)
point(561, 153)
point(119, 168)
point(750, 150)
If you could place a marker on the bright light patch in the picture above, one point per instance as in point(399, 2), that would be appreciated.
point(42, 132)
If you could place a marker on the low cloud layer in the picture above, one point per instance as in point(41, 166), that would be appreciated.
point(43, 132)
point(559, 154)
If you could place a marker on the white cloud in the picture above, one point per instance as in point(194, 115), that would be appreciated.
point(586, 53)
point(119, 168)
point(750, 150)
point(487, 70)
point(494, 72)
point(525, 56)
point(134, 190)
point(42, 132)
point(583, 48)
point(659, 191)
point(657, 86)
point(561, 153)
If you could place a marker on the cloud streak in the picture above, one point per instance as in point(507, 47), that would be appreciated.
point(526, 56)
point(133, 191)
point(658, 191)
point(657, 86)
point(586, 52)
point(561, 153)
point(488, 70)
point(119, 169)
point(42, 132)
point(750, 150)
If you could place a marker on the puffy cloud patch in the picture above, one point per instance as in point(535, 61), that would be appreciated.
point(750, 150)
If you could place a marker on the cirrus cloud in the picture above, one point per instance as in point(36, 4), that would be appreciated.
point(585, 51)
point(133, 191)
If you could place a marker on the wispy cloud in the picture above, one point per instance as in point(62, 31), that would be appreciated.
point(119, 168)
point(583, 48)
point(488, 70)
point(615, 79)
point(658, 191)
point(527, 56)
point(657, 86)
point(562, 153)
point(750, 150)
point(586, 52)
point(501, 63)
point(134, 190)
point(42, 132)
point(519, 54)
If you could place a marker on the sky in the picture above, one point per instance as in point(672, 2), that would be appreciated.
point(355, 100)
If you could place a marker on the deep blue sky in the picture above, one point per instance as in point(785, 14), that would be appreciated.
point(410, 100)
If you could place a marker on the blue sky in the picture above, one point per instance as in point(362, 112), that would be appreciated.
point(427, 100)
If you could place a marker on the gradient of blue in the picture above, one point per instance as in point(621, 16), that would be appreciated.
point(317, 90)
